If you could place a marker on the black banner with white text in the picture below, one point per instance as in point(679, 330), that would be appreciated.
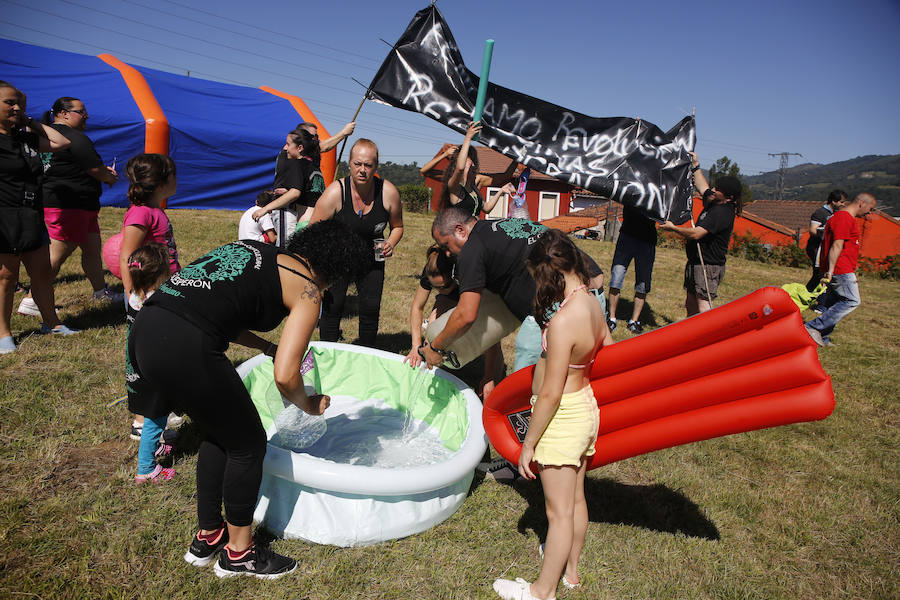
point(629, 160)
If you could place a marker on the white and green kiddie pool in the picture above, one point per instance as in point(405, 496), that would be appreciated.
point(397, 458)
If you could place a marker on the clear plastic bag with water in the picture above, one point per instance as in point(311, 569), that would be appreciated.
point(296, 429)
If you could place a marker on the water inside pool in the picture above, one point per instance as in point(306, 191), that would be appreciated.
point(371, 433)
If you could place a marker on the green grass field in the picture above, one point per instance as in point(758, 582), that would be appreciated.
point(799, 512)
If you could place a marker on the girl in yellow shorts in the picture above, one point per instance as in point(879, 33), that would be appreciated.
point(564, 418)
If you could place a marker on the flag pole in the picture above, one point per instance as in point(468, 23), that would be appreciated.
point(700, 250)
point(483, 82)
point(353, 120)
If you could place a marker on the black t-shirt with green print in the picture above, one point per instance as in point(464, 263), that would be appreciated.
point(235, 287)
point(494, 256)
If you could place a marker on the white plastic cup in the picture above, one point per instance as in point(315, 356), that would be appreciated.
point(379, 249)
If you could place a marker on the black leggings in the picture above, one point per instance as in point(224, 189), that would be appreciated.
point(368, 289)
point(175, 357)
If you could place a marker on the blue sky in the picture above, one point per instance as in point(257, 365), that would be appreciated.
point(815, 77)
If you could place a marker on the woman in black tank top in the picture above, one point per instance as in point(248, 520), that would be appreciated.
point(462, 179)
point(177, 347)
point(370, 207)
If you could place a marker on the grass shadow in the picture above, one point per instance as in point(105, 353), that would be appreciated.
point(189, 439)
point(653, 507)
point(98, 315)
point(648, 316)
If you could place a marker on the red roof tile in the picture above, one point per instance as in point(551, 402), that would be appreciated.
point(790, 214)
point(490, 161)
point(568, 223)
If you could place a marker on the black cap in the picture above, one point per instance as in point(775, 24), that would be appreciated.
point(729, 186)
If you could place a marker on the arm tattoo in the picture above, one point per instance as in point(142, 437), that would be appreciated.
point(311, 292)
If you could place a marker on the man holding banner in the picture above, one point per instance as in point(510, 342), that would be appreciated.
point(707, 241)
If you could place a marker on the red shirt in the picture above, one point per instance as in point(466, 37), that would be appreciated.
point(842, 226)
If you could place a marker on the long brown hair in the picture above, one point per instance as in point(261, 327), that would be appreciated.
point(551, 256)
point(444, 200)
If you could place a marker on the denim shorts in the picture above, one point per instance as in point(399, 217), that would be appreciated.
point(643, 253)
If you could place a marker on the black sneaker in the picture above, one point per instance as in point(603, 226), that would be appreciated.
point(201, 553)
point(635, 327)
point(258, 561)
point(612, 324)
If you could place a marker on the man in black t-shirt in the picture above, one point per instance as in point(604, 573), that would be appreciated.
point(637, 240)
point(836, 200)
point(707, 241)
point(489, 255)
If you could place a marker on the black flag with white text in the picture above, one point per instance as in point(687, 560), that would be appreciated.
point(628, 160)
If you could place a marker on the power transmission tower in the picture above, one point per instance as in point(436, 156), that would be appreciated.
point(782, 165)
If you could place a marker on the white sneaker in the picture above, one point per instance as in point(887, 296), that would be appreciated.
point(29, 307)
point(174, 421)
point(514, 590)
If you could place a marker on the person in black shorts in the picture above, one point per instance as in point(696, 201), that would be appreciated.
point(369, 206)
point(23, 234)
point(637, 240)
point(707, 241)
point(177, 347)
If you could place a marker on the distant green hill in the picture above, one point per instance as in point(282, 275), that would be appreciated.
point(879, 175)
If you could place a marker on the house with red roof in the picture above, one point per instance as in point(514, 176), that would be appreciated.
point(576, 210)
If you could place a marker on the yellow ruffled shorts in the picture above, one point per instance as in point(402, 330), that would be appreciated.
point(572, 431)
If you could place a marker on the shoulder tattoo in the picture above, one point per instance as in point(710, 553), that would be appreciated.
point(311, 292)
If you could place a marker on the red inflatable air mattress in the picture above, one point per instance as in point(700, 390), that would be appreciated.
point(746, 365)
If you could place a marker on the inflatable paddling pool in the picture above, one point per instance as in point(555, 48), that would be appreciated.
point(365, 480)
point(746, 365)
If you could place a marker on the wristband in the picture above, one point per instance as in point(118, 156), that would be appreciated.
point(448, 355)
point(695, 169)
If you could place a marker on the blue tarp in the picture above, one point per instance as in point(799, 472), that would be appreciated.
point(223, 137)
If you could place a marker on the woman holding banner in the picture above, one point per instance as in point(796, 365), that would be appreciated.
point(462, 179)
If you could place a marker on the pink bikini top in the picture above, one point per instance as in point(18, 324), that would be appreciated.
point(544, 330)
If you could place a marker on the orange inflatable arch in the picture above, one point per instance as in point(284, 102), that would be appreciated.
point(746, 365)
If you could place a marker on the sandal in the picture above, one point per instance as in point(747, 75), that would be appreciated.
point(569, 586)
point(157, 475)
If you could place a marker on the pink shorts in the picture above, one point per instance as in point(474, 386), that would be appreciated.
point(71, 224)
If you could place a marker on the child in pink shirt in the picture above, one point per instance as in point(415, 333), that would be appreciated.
point(152, 181)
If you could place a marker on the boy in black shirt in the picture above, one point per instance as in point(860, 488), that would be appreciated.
point(836, 201)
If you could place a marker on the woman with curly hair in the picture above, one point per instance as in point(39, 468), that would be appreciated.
point(177, 347)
